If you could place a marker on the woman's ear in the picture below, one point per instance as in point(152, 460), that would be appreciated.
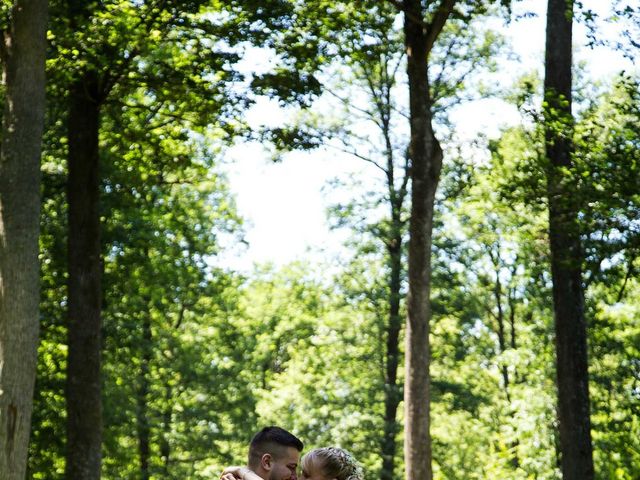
point(265, 461)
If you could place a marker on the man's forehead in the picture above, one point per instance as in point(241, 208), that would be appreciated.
point(289, 455)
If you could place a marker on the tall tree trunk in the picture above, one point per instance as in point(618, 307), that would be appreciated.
point(426, 163)
point(566, 255)
point(23, 57)
point(84, 402)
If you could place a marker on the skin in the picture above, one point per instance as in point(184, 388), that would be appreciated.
point(282, 467)
point(310, 471)
point(285, 466)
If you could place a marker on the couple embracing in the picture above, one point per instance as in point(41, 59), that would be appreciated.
point(274, 454)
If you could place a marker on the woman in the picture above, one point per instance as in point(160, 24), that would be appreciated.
point(327, 463)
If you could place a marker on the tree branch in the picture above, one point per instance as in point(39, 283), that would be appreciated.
point(417, 20)
point(438, 22)
point(626, 280)
point(348, 102)
point(357, 155)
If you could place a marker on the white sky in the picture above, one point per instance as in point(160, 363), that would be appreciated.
point(283, 203)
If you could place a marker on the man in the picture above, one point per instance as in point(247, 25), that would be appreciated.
point(274, 454)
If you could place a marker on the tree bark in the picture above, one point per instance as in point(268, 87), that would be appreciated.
point(566, 253)
point(84, 402)
point(143, 424)
point(392, 394)
point(500, 318)
point(23, 57)
point(165, 444)
point(426, 163)
point(394, 246)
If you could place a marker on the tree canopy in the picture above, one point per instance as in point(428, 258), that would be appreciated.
point(469, 178)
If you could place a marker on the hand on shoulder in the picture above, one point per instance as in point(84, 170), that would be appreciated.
point(238, 473)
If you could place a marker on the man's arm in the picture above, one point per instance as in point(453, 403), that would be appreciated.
point(239, 473)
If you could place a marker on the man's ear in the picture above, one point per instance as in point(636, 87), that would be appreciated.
point(265, 461)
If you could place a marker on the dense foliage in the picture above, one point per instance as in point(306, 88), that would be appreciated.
point(197, 357)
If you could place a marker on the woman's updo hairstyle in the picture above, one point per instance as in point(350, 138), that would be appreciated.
point(335, 463)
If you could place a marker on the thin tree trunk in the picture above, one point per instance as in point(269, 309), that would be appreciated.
point(165, 446)
point(394, 245)
point(500, 317)
point(392, 395)
point(23, 56)
point(512, 316)
point(143, 424)
point(566, 255)
point(84, 402)
point(502, 340)
point(426, 163)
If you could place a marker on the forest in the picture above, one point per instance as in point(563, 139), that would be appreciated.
point(481, 318)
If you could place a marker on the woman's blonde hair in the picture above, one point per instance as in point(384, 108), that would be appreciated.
point(335, 463)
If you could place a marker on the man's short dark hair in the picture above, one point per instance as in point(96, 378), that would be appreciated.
point(272, 440)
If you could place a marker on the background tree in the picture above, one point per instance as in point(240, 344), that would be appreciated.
point(366, 119)
point(566, 251)
point(605, 147)
point(23, 54)
point(167, 214)
point(113, 50)
point(194, 356)
point(425, 153)
point(165, 298)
